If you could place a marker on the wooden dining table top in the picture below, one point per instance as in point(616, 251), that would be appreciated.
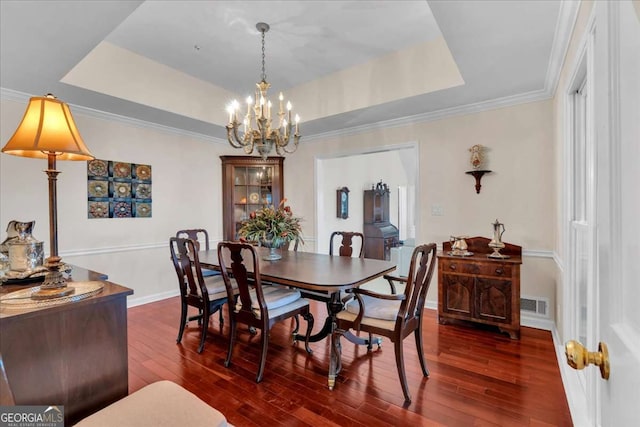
point(311, 271)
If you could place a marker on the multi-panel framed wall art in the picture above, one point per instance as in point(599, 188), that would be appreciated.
point(118, 189)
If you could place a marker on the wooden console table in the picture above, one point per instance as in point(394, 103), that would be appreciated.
point(73, 354)
point(480, 289)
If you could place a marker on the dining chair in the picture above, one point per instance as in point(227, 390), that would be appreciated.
point(207, 294)
point(348, 239)
point(257, 306)
point(198, 235)
point(394, 316)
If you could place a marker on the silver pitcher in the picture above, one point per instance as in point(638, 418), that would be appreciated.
point(496, 243)
point(459, 246)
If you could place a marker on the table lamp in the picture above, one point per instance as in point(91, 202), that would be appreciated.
point(47, 131)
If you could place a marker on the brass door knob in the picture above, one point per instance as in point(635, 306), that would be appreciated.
point(578, 357)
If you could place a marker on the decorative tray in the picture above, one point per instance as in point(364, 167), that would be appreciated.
point(20, 300)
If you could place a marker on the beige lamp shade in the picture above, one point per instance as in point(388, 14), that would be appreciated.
point(48, 127)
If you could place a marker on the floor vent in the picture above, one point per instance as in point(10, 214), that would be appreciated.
point(537, 306)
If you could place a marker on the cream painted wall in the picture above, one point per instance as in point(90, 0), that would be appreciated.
point(186, 172)
point(186, 193)
point(520, 192)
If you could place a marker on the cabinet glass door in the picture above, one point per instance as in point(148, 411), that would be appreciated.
point(252, 191)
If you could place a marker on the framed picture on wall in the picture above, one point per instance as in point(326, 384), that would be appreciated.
point(342, 203)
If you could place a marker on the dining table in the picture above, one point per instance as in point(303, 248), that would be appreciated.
point(320, 277)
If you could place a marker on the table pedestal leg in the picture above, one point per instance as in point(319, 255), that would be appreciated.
point(334, 306)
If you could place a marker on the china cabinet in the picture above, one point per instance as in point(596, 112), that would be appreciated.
point(248, 184)
point(480, 289)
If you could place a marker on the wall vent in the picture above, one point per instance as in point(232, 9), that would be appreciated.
point(535, 305)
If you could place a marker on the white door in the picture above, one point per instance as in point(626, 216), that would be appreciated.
point(603, 283)
point(617, 117)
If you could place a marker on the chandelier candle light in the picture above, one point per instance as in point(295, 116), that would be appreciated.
point(259, 131)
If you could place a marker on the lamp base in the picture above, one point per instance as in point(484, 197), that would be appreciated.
point(54, 285)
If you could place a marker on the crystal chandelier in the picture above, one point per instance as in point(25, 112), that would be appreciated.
point(260, 130)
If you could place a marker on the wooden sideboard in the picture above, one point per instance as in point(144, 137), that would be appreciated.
point(480, 289)
point(73, 354)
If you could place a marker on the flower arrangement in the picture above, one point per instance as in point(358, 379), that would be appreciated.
point(272, 227)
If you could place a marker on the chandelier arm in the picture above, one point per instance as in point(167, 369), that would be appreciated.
point(242, 141)
point(233, 138)
point(296, 138)
point(233, 143)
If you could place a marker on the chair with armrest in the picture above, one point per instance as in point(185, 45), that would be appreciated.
point(207, 294)
point(257, 306)
point(394, 316)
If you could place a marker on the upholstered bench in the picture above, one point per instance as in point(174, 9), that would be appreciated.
point(160, 404)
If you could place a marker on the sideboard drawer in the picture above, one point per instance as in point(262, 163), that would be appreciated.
point(485, 269)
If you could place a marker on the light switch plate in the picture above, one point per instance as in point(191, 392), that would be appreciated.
point(437, 210)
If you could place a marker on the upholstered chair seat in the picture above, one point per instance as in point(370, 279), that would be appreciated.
point(161, 404)
point(277, 298)
point(216, 287)
point(378, 313)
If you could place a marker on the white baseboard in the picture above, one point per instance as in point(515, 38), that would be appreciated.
point(133, 302)
point(536, 322)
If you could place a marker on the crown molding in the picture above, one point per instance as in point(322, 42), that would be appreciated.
point(13, 95)
point(493, 104)
point(561, 39)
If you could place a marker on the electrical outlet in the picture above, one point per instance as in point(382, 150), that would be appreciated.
point(437, 210)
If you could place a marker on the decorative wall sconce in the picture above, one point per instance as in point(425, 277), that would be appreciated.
point(477, 161)
point(342, 203)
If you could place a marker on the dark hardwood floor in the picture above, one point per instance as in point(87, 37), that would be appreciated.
point(478, 377)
